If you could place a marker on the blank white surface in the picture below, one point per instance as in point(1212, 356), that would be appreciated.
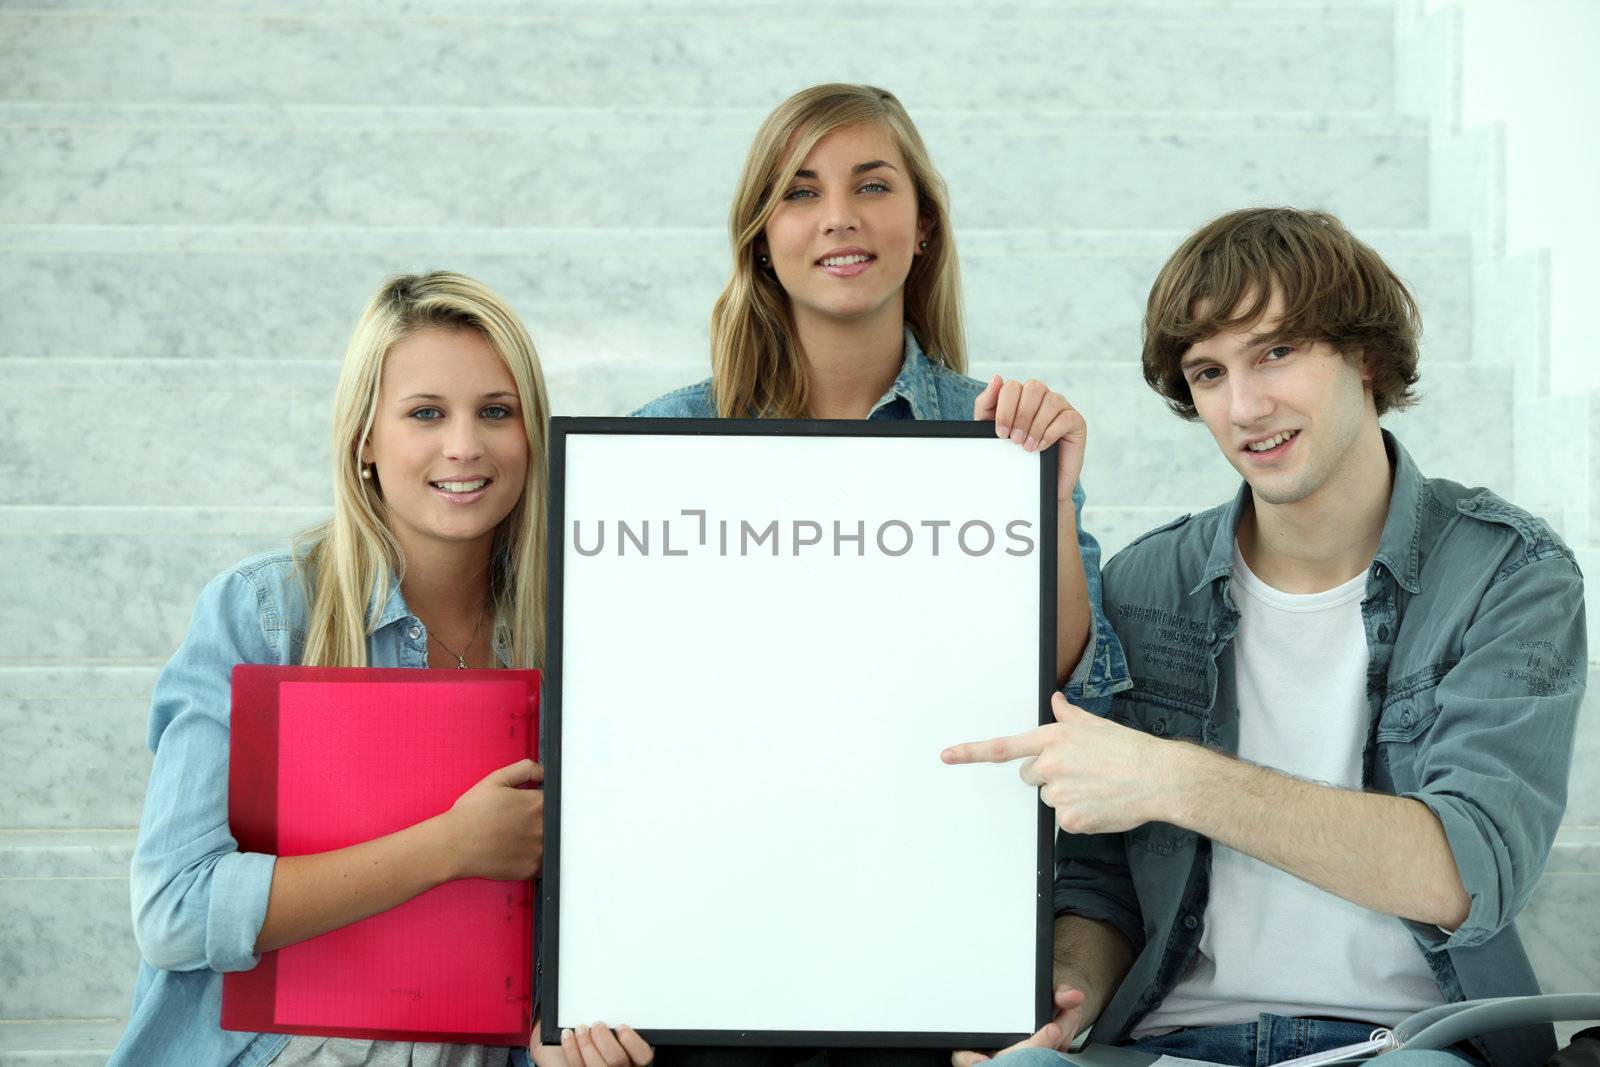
point(756, 830)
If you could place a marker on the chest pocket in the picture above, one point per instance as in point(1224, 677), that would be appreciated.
point(1158, 717)
point(1403, 725)
point(1403, 719)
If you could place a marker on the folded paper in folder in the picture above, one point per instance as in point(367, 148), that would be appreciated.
point(322, 758)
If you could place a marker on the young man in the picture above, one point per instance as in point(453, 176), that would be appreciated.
point(1339, 771)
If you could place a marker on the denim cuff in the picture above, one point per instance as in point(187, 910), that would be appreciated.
point(1100, 670)
point(1477, 863)
point(240, 884)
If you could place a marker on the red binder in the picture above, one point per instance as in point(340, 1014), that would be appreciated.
point(325, 757)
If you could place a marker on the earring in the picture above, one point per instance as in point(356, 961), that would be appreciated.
point(922, 245)
point(366, 472)
point(764, 259)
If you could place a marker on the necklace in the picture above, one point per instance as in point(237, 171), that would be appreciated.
point(461, 657)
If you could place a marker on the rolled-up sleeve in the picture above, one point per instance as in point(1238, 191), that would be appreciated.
point(197, 900)
point(1101, 670)
point(1495, 763)
point(1093, 880)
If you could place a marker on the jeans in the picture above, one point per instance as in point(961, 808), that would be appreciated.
point(1271, 1039)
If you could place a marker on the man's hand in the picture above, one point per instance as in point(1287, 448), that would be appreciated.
point(1056, 1034)
point(1099, 776)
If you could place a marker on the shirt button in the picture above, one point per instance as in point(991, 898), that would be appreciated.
point(1405, 718)
point(1190, 922)
point(415, 632)
point(1383, 633)
point(1470, 505)
point(1159, 727)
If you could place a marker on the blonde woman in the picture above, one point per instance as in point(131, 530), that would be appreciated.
point(434, 557)
point(845, 303)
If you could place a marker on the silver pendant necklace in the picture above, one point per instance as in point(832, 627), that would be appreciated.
point(461, 657)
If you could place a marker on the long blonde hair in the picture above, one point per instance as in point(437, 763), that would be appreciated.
point(349, 562)
point(756, 362)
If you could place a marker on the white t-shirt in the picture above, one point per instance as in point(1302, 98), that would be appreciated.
point(1273, 943)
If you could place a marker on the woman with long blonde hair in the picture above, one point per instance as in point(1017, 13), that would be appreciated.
point(434, 557)
point(844, 302)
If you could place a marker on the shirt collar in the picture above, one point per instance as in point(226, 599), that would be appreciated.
point(1398, 547)
point(914, 384)
point(386, 605)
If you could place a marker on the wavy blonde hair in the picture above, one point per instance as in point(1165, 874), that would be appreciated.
point(756, 362)
point(349, 561)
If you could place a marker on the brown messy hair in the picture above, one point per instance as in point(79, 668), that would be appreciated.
point(1334, 289)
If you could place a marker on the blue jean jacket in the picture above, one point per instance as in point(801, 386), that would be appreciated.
point(1475, 626)
point(931, 391)
point(198, 902)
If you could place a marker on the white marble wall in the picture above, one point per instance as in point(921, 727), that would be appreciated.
point(197, 199)
point(1007, 57)
point(586, 295)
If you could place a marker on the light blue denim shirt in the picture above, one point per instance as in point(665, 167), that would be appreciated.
point(198, 902)
point(930, 391)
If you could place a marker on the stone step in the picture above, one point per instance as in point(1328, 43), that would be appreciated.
point(736, 8)
point(193, 292)
point(73, 754)
point(66, 927)
point(67, 947)
point(58, 1042)
point(618, 55)
point(576, 167)
point(219, 433)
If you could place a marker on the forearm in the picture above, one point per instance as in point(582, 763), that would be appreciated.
point(1072, 595)
point(314, 894)
point(1092, 957)
point(1388, 854)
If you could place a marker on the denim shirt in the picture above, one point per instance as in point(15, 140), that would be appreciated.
point(1475, 627)
point(198, 902)
point(932, 392)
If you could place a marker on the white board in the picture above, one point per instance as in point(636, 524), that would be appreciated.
point(749, 829)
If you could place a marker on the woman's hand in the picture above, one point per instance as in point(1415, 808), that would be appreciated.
point(496, 828)
point(1034, 417)
point(594, 1046)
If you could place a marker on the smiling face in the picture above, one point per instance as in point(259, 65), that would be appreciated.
point(846, 230)
point(1287, 414)
point(447, 446)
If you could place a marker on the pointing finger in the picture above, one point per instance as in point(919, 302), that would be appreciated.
point(999, 749)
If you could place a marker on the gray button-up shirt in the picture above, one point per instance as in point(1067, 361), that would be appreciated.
point(1475, 625)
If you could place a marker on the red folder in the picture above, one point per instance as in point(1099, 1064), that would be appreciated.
point(325, 757)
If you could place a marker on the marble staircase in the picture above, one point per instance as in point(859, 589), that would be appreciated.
point(196, 200)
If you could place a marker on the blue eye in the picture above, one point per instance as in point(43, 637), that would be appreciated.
point(1275, 350)
point(496, 412)
point(796, 194)
point(427, 414)
point(875, 186)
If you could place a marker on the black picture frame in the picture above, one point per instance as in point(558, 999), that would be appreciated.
point(548, 970)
